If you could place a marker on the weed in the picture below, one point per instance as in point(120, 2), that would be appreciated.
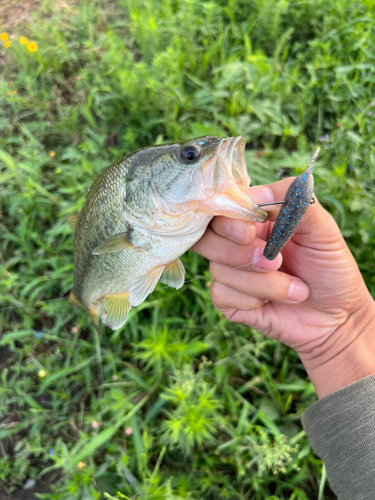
point(185, 405)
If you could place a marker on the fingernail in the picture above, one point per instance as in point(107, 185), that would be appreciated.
point(238, 231)
point(261, 194)
point(298, 291)
point(264, 264)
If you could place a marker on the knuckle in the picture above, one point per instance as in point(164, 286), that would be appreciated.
point(257, 304)
point(218, 299)
point(229, 313)
point(214, 268)
point(226, 254)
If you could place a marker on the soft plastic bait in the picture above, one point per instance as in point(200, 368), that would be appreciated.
point(296, 202)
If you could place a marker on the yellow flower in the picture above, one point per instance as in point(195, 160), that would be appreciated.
point(58, 171)
point(14, 91)
point(81, 465)
point(32, 47)
point(4, 37)
point(52, 154)
point(42, 373)
point(23, 40)
point(7, 44)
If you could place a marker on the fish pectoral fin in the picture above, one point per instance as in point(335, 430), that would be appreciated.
point(72, 220)
point(144, 286)
point(114, 309)
point(173, 274)
point(115, 244)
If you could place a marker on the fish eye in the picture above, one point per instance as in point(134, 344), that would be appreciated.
point(190, 152)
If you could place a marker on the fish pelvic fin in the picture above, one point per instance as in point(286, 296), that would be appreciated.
point(173, 274)
point(93, 313)
point(114, 309)
point(144, 286)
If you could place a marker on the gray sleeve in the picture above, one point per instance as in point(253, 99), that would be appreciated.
point(341, 429)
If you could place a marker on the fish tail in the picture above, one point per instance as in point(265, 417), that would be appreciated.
point(93, 312)
point(74, 301)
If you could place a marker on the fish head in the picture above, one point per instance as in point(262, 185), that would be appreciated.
point(210, 171)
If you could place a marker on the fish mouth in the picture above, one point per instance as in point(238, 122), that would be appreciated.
point(226, 182)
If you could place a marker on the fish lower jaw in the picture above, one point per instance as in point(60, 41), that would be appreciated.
point(233, 203)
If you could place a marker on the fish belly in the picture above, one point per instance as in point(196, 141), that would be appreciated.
point(118, 273)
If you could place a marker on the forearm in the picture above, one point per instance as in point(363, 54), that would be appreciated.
point(341, 426)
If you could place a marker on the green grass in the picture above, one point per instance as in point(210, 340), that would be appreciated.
point(187, 404)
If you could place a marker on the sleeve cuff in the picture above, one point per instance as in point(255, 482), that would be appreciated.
point(341, 429)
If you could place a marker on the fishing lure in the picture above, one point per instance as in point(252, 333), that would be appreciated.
point(296, 202)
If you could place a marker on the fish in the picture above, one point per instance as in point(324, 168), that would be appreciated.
point(147, 209)
point(297, 200)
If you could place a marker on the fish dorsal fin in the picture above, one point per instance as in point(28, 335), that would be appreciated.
point(144, 286)
point(114, 309)
point(72, 220)
point(174, 274)
point(115, 244)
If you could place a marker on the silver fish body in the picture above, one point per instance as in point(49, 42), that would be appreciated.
point(146, 210)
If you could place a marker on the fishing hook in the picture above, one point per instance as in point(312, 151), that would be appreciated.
point(281, 203)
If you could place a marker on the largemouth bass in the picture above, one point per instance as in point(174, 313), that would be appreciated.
point(147, 209)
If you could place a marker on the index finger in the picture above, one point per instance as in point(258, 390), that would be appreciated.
point(226, 252)
point(239, 231)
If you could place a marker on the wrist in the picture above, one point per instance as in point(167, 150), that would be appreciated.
point(346, 356)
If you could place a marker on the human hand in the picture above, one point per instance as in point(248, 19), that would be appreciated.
point(313, 299)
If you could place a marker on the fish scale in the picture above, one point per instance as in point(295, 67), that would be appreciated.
point(296, 202)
